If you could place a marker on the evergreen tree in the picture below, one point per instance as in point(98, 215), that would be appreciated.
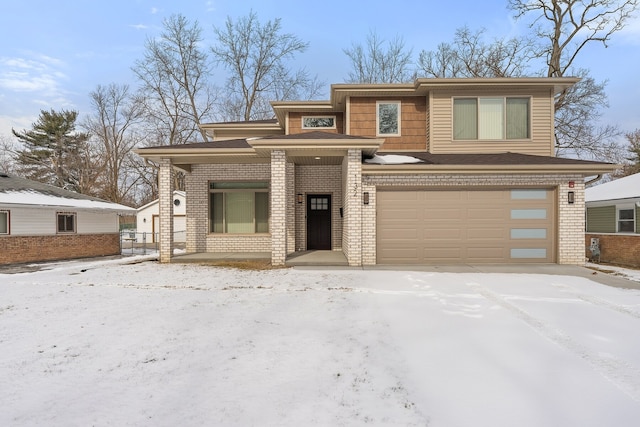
point(54, 153)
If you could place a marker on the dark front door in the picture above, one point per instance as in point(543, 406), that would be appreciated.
point(319, 222)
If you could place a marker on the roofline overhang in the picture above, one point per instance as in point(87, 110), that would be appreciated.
point(369, 146)
point(620, 201)
point(421, 168)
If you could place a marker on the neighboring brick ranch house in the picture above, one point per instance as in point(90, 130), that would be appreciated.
point(39, 222)
point(613, 217)
point(442, 171)
point(148, 220)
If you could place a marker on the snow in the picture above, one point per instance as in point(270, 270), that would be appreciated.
point(37, 198)
point(134, 342)
point(392, 159)
point(627, 187)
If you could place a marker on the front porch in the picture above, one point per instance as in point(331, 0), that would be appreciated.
point(302, 258)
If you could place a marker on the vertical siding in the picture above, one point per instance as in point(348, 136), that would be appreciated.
point(601, 219)
point(541, 141)
point(413, 124)
point(295, 123)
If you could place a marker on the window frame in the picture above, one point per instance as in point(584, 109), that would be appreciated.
point(504, 124)
point(245, 190)
point(74, 224)
point(620, 208)
point(303, 126)
point(398, 118)
point(7, 223)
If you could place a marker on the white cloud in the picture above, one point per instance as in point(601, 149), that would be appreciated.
point(211, 7)
point(139, 26)
point(154, 10)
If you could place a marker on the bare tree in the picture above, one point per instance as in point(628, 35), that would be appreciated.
point(377, 63)
point(470, 56)
point(255, 56)
point(631, 163)
point(113, 128)
point(7, 150)
point(174, 74)
point(565, 27)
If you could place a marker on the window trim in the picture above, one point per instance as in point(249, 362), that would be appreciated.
point(8, 224)
point(399, 118)
point(258, 189)
point(504, 98)
point(632, 221)
point(302, 125)
point(75, 222)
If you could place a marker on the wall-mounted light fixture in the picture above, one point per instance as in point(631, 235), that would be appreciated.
point(571, 197)
point(365, 197)
point(572, 184)
point(144, 219)
point(299, 198)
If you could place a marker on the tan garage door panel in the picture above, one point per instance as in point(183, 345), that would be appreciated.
point(465, 226)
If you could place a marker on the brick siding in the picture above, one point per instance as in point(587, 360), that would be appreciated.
point(619, 249)
point(197, 188)
point(20, 249)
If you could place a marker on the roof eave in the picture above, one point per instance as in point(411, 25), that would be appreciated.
point(423, 168)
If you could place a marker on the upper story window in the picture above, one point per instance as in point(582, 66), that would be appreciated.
point(626, 220)
point(318, 122)
point(388, 118)
point(4, 222)
point(66, 222)
point(239, 207)
point(491, 118)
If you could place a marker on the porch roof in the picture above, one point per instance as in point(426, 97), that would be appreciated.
point(257, 150)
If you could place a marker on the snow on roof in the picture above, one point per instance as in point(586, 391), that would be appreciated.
point(622, 188)
point(31, 197)
point(392, 159)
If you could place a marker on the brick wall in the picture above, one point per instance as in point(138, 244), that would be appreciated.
point(325, 179)
point(197, 188)
point(352, 235)
point(620, 249)
point(19, 249)
point(570, 233)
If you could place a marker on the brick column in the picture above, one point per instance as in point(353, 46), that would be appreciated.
point(278, 207)
point(165, 192)
point(352, 228)
point(571, 247)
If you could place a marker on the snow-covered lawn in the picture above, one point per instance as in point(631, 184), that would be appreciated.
point(103, 343)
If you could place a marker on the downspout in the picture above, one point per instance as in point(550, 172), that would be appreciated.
point(591, 181)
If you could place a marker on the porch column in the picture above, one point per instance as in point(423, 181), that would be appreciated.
point(165, 193)
point(352, 228)
point(278, 207)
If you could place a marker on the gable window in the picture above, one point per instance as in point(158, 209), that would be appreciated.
point(492, 118)
point(66, 222)
point(4, 222)
point(239, 207)
point(318, 122)
point(626, 220)
point(388, 118)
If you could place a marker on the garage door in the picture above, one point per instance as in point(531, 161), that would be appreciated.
point(465, 226)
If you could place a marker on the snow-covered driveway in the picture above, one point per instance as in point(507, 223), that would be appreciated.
point(165, 345)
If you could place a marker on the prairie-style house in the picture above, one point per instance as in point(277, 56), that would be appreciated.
point(439, 171)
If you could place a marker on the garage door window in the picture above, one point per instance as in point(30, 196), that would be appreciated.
point(528, 214)
point(535, 253)
point(528, 233)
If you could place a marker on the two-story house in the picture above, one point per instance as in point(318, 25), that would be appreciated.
point(443, 171)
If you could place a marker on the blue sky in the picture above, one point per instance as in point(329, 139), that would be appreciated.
point(53, 53)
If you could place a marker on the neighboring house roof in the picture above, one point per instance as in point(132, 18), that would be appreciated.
point(21, 191)
point(156, 201)
point(620, 189)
